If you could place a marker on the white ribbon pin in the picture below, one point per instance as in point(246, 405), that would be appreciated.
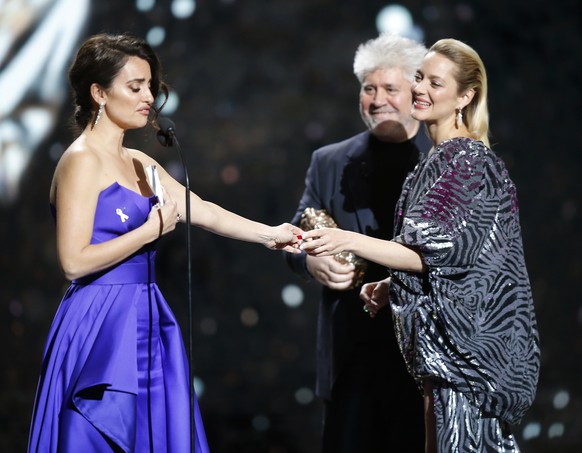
point(121, 215)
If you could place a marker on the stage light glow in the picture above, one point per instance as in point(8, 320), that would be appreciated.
point(144, 5)
point(394, 19)
point(304, 395)
point(171, 105)
point(230, 174)
point(561, 399)
point(249, 317)
point(531, 430)
point(292, 296)
point(156, 36)
point(199, 386)
point(556, 430)
point(397, 19)
point(183, 9)
point(34, 60)
point(14, 158)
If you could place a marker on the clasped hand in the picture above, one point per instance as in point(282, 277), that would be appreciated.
point(325, 241)
point(375, 296)
point(165, 216)
point(285, 237)
point(330, 272)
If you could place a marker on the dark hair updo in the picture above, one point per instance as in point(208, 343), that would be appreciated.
point(99, 60)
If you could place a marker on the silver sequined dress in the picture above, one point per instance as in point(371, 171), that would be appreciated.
point(468, 322)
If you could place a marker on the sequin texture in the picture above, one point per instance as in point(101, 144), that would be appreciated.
point(469, 321)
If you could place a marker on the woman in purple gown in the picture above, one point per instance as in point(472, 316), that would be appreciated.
point(459, 290)
point(114, 375)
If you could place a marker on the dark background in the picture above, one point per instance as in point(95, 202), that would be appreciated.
point(261, 85)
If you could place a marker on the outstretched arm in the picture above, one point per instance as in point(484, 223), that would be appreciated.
point(330, 241)
point(218, 220)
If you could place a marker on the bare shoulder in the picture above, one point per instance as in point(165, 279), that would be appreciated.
point(77, 162)
point(78, 157)
point(77, 169)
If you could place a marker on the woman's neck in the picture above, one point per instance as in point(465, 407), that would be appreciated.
point(440, 132)
point(105, 139)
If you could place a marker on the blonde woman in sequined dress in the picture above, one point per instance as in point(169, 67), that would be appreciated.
point(459, 289)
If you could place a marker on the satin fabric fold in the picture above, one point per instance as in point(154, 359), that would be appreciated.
point(115, 375)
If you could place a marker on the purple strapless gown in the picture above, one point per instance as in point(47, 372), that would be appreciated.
point(114, 375)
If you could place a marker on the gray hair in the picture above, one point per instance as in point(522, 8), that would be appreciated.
point(389, 51)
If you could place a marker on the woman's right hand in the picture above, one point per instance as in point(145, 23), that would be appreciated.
point(163, 218)
point(326, 241)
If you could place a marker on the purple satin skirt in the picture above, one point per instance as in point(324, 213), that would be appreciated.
point(115, 374)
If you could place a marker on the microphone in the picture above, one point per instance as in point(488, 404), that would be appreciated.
point(167, 132)
point(167, 137)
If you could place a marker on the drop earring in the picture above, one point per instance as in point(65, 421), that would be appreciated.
point(459, 119)
point(99, 112)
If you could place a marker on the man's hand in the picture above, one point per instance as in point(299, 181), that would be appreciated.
point(330, 272)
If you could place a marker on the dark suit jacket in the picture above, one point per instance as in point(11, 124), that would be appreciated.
point(337, 181)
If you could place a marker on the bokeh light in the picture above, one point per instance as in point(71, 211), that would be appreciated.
point(397, 19)
point(532, 430)
point(304, 395)
point(182, 9)
point(144, 5)
point(561, 399)
point(155, 36)
point(292, 296)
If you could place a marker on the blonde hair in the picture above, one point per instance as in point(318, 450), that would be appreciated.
point(470, 75)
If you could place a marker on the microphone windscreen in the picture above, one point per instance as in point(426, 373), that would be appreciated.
point(166, 132)
point(167, 126)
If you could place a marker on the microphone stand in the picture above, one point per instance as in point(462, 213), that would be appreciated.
point(171, 141)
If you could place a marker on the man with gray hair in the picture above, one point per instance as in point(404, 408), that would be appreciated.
point(371, 403)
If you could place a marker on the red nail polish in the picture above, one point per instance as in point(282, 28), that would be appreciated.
point(299, 237)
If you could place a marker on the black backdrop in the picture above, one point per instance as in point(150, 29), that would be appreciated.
point(261, 85)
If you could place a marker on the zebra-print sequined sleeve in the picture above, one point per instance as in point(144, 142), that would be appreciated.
point(469, 320)
point(448, 221)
